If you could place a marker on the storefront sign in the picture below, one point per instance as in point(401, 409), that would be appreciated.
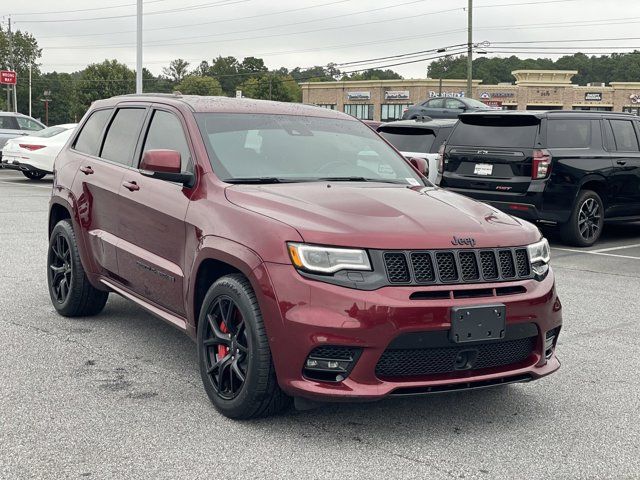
point(433, 94)
point(359, 95)
point(593, 96)
point(496, 104)
point(488, 95)
point(396, 95)
point(635, 98)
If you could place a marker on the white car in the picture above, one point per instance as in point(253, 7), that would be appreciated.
point(34, 154)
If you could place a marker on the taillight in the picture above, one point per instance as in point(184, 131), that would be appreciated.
point(541, 166)
point(28, 146)
point(441, 159)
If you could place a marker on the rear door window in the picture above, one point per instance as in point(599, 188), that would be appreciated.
point(435, 103)
point(28, 124)
point(8, 122)
point(496, 131)
point(122, 136)
point(569, 133)
point(89, 139)
point(165, 133)
point(409, 139)
point(624, 135)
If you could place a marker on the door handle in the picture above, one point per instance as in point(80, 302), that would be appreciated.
point(86, 170)
point(131, 186)
point(621, 162)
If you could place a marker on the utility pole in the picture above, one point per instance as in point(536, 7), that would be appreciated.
point(13, 65)
point(139, 49)
point(470, 49)
point(30, 87)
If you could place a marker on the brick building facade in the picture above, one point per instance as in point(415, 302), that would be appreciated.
point(384, 100)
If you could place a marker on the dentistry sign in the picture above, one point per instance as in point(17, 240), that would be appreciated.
point(434, 94)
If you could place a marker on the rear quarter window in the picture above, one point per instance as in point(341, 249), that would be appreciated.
point(496, 131)
point(569, 133)
point(409, 139)
point(89, 139)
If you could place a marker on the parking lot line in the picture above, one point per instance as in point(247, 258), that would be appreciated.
point(596, 252)
point(13, 184)
point(600, 250)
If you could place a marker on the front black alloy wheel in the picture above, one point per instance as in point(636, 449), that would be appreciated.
point(226, 347)
point(233, 351)
point(586, 221)
point(71, 293)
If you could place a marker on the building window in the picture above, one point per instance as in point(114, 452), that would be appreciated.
point(592, 108)
point(393, 111)
point(361, 111)
point(328, 106)
point(634, 110)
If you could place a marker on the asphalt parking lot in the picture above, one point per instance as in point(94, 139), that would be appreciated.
point(119, 395)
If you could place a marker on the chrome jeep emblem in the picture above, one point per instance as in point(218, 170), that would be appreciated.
point(468, 241)
point(482, 152)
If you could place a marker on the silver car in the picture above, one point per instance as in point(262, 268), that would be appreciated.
point(15, 124)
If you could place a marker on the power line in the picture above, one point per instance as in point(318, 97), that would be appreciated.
point(53, 12)
point(245, 17)
point(221, 3)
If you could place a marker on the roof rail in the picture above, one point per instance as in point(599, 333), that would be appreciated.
point(151, 94)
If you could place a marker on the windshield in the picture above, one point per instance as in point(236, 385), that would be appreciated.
point(409, 139)
point(50, 132)
point(274, 148)
point(495, 131)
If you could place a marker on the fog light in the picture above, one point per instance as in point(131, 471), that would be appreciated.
point(333, 364)
point(330, 363)
point(312, 363)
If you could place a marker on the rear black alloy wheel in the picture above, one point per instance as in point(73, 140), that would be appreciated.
point(586, 220)
point(60, 268)
point(589, 219)
point(234, 354)
point(227, 347)
point(72, 295)
point(33, 174)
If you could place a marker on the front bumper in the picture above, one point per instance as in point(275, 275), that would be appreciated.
point(312, 314)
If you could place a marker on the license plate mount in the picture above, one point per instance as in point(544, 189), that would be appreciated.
point(484, 169)
point(480, 323)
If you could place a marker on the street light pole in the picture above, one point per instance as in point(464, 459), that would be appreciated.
point(29, 87)
point(139, 49)
point(470, 49)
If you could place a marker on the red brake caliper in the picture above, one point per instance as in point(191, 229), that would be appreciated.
point(223, 349)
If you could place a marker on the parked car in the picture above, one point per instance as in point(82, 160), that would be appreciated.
point(444, 107)
point(419, 138)
point(305, 256)
point(573, 169)
point(34, 154)
point(15, 124)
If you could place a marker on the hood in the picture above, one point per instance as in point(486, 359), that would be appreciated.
point(382, 216)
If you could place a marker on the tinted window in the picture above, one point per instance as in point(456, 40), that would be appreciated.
point(299, 148)
point(165, 133)
point(409, 139)
point(569, 133)
point(435, 103)
point(89, 139)
point(122, 136)
point(624, 135)
point(8, 122)
point(50, 132)
point(495, 131)
point(28, 124)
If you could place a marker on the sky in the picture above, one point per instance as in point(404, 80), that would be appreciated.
point(304, 33)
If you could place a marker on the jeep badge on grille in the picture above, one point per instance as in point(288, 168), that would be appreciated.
point(469, 241)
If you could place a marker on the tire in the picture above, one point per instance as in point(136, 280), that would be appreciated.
point(33, 174)
point(71, 293)
point(232, 307)
point(586, 221)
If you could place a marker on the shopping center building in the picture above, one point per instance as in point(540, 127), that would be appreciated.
point(385, 100)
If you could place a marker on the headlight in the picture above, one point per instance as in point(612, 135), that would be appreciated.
point(327, 260)
point(539, 256)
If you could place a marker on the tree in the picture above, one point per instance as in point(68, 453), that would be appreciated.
point(24, 51)
point(374, 74)
point(225, 70)
point(268, 87)
point(64, 106)
point(176, 70)
point(193, 85)
point(104, 80)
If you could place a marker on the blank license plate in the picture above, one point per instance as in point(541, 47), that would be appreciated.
point(472, 324)
point(483, 169)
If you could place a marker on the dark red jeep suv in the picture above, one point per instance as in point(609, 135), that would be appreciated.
point(306, 256)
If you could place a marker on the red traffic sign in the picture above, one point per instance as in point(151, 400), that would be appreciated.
point(8, 77)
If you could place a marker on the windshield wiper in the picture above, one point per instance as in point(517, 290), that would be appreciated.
point(254, 180)
point(359, 179)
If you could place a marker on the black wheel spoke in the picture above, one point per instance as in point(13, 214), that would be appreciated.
point(226, 347)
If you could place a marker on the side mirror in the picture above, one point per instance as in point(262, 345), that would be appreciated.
point(421, 165)
point(165, 165)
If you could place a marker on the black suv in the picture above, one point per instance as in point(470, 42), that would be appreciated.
point(574, 169)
